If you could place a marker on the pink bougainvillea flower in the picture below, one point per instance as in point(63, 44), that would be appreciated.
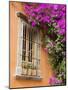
point(51, 44)
point(52, 19)
point(41, 6)
point(61, 31)
point(63, 40)
point(46, 50)
point(33, 23)
point(55, 7)
point(54, 81)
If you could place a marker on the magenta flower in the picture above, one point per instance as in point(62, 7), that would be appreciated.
point(46, 50)
point(41, 6)
point(33, 23)
point(52, 19)
point(51, 44)
point(61, 31)
point(61, 23)
point(45, 19)
point(38, 17)
point(33, 15)
point(63, 40)
point(54, 81)
point(45, 13)
point(55, 7)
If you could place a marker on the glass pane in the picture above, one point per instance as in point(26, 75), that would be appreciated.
point(24, 43)
point(30, 47)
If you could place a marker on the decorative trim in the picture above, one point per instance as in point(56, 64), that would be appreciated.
point(22, 16)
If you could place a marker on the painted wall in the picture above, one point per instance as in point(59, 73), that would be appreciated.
point(46, 71)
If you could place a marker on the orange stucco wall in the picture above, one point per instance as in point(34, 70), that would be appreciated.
point(45, 67)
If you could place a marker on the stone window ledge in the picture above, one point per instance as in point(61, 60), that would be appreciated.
point(27, 77)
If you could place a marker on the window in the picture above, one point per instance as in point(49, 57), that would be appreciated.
point(28, 52)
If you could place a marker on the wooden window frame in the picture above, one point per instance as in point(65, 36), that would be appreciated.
point(19, 69)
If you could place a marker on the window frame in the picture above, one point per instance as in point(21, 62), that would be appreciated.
point(18, 68)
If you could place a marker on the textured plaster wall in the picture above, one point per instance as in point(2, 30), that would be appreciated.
point(46, 71)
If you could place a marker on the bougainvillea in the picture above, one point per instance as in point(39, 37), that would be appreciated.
point(54, 81)
point(51, 19)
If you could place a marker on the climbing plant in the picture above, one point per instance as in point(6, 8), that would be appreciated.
point(51, 20)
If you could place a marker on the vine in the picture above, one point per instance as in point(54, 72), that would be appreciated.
point(50, 18)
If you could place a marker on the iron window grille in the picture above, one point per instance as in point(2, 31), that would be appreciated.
point(28, 52)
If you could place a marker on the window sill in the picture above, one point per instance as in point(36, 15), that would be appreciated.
point(27, 77)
